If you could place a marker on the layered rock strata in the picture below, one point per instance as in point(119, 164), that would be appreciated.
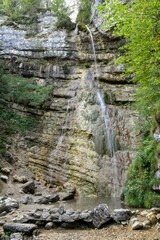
point(71, 144)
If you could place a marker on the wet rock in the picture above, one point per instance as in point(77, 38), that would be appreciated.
point(137, 225)
point(101, 215)
point(29, 187)
point(19, 227)
point(66, 196)
point(8, 204)
point(120, 215)
point(48, 199)
point(20, 179)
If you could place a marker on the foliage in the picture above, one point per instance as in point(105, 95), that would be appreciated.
point(140, 178)
point(26, 91)
point(139, 23)
point(62, 12)
point(20, 10)
point(84, 11)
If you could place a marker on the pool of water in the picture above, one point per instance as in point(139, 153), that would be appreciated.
point(84, 203)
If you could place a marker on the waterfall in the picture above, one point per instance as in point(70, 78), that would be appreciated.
point(107, 121)
point(63, 129)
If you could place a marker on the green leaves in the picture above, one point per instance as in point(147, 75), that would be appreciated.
point(139, 23)
point(20, 10)
point(26, 91)
point(62, 12)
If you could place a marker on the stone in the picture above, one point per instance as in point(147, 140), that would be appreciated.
point(137, 225)
point(29, 187)
point(146, 224)
point(69, 187)
point(158, 226)
point(152, 218)
point(26, 200)
point(4, 178)
point(158, 217)
point(47, 199)
point(133, 220)
point(101, 215)
point(64, 196)
point(6, 170)
point(8, 204)
point(49, 226)
point(20, 179)
point(120, 215)
point(16, 236)
point(19, 227)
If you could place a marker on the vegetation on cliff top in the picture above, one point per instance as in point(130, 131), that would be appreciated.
point(139, 23)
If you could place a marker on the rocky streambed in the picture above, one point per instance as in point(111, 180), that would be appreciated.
point(43, 215)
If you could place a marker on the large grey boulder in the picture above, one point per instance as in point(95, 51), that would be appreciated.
point(101, 215)
point(19, 227)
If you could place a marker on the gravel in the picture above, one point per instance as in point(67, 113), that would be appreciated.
point(110, 233)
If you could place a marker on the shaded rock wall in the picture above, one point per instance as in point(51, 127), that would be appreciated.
point(70, 144)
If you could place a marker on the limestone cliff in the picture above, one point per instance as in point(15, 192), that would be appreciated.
point(71, 144)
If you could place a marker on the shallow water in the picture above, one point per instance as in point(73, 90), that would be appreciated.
point(84, 203)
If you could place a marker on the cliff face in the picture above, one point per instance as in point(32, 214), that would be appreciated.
point(71, 144)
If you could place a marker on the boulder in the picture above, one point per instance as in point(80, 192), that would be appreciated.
point(4, 178)
point(66, 196)
point(152, 218)
point(16, 236)
point(26, 200)
point(20, 179)
point(29, 187)
point(120, 215)
point(101, 215)
point(47, 199)
point(19, 227)
point(8, 204)
point(5, 170)
point(49, 226)
point(137, 225)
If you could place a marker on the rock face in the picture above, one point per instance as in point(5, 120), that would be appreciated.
point(72, 143)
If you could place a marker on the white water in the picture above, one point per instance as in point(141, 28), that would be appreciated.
point(108, 124)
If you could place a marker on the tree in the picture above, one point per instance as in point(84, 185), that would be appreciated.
point(84, 13)
point(62, 12)
point(18, 10)
point(138, 22)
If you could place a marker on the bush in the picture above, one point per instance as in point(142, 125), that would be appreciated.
point(62, 12)
point(25, 91)
point(141, 177)
point(84, 13)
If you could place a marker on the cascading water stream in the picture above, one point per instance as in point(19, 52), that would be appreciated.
point(107, 121)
